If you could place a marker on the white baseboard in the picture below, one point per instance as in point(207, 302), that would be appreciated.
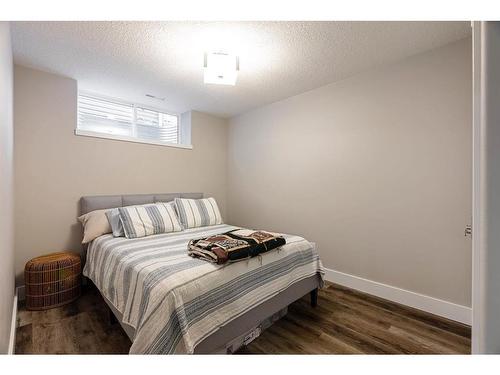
point(453, 311)
point(13, 326)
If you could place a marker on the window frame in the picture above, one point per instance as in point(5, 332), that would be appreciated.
point(95, 134)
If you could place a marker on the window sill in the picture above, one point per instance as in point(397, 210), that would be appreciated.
point(92, 134)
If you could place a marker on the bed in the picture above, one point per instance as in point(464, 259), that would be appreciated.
point(168, 302)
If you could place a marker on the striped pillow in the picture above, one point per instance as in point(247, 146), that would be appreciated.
point(149, 219)
point(198, 212)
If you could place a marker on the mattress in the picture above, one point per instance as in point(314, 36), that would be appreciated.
point(173, 301)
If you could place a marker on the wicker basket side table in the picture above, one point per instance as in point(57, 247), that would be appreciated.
point(52, 280)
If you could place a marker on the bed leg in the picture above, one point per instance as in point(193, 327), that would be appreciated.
point(314, 297)
point(112, 317)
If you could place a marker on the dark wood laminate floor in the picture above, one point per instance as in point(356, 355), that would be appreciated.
point(344, 322)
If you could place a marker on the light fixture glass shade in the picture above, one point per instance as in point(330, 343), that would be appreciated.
point(221, 68)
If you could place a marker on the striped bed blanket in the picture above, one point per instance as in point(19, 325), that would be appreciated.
point(174, 301)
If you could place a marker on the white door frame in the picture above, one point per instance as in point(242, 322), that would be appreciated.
point(476, 188)
point(484, 240)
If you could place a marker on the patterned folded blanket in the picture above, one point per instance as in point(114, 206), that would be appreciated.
point(234, 245)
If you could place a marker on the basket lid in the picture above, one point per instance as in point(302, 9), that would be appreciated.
point(63, 258)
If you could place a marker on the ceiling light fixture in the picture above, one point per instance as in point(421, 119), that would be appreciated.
point(221, 68)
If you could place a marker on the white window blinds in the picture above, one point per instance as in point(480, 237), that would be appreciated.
point(115, 118)
point(156, 125)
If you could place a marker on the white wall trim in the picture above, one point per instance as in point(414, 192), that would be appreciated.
point(478, 184)
point(453, 311)
point(88, 133)
point(13, 326)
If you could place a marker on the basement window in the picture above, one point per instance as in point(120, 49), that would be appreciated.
point(104, 117)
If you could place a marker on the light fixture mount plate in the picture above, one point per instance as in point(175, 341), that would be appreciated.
point(221, 68)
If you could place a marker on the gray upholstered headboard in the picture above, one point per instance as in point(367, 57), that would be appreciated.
point(100, 202)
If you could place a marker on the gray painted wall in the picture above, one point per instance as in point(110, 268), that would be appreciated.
point(54, 168)
point(376, 169)
point(6, 185)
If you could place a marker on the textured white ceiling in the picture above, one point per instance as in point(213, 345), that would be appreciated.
point(277, 59)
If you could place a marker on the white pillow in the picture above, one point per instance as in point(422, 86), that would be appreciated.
point(198, 212)
point(95, 224)
point(149, 219)
point(113, 216)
